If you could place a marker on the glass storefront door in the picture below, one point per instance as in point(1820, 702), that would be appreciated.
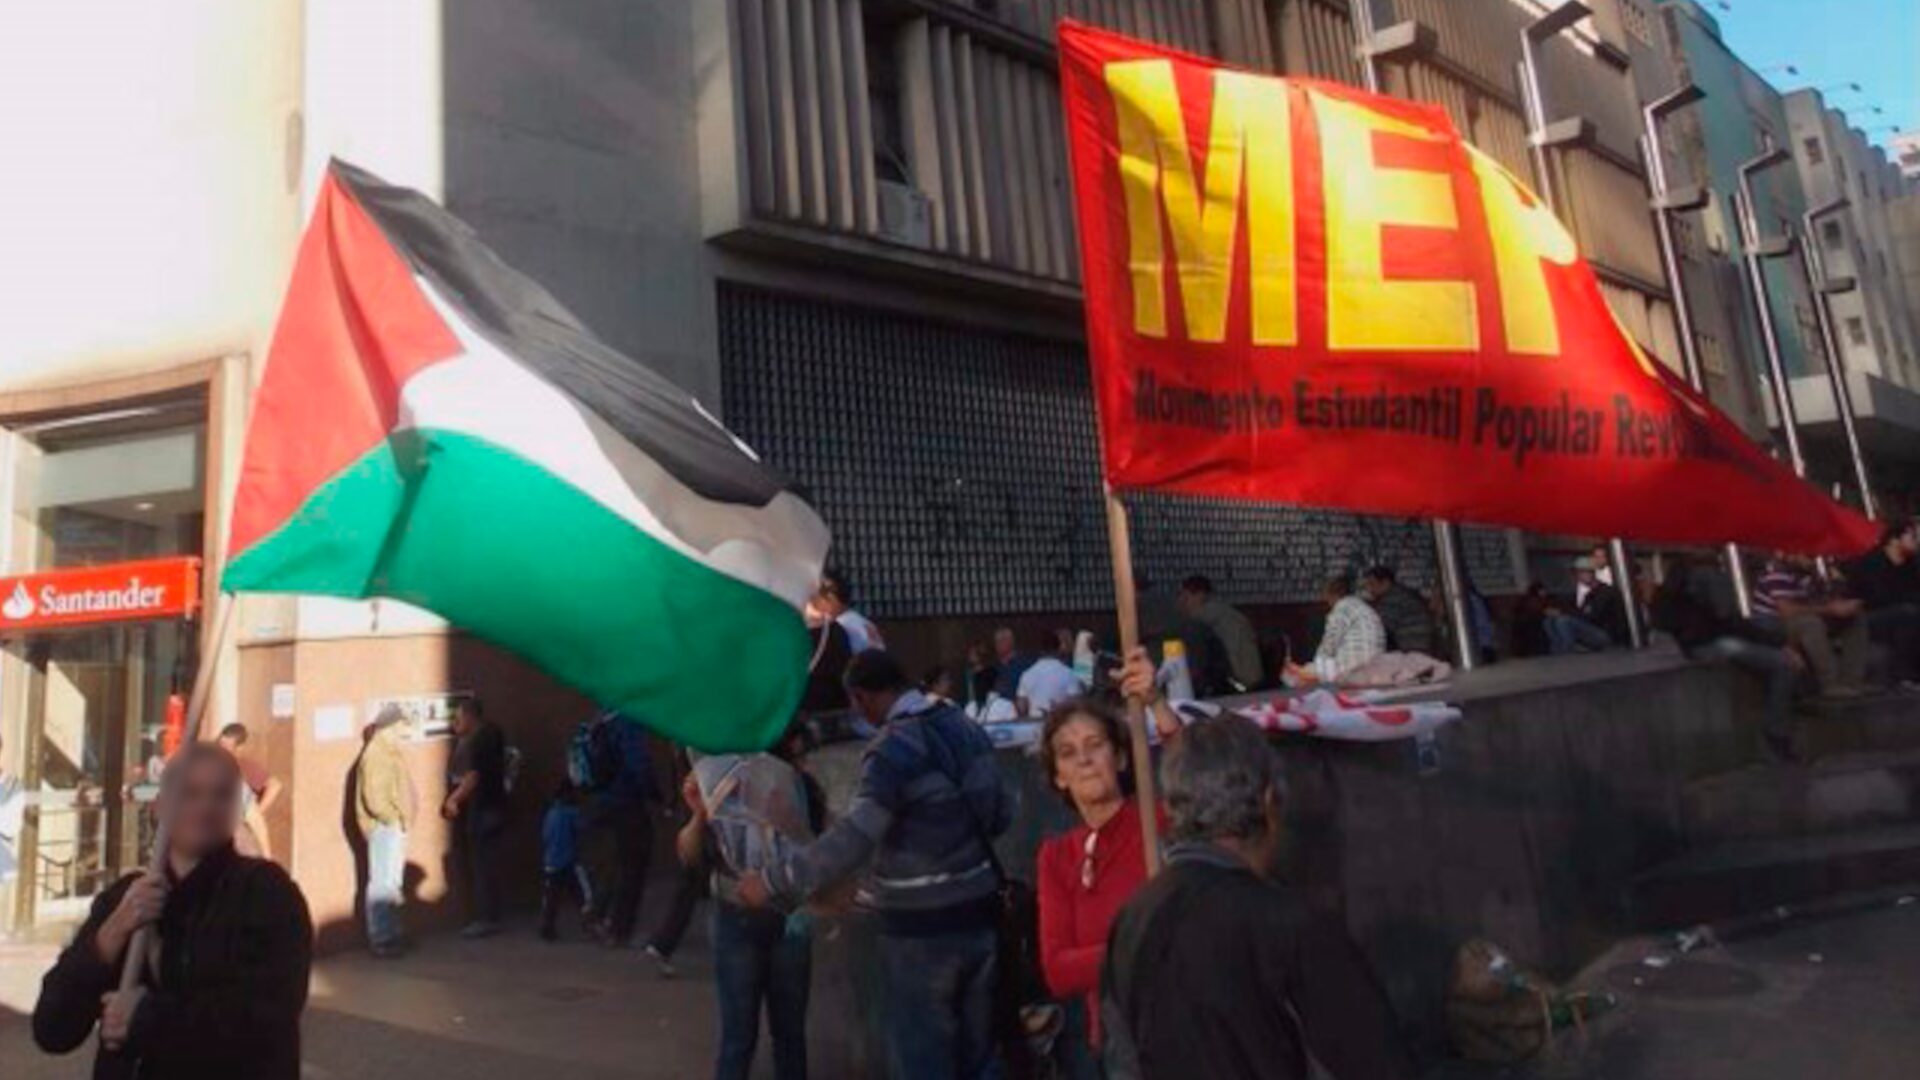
point(96, 707)
point(82, 709)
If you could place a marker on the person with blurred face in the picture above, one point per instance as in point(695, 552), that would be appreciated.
point(225, 980)
point(1089, 872)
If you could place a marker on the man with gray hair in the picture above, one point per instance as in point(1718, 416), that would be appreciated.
point(1213, 969)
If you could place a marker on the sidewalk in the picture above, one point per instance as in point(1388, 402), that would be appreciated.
point(507, 1008)
point(1815, 998)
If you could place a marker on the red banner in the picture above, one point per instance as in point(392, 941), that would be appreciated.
point(115, 592)
point(1298, 292)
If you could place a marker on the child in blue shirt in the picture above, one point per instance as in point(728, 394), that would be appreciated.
point(561, 871)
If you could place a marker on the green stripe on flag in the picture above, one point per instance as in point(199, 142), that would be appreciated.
point(517, 556)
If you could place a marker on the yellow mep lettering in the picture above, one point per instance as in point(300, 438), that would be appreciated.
point(1365, 310)
point(1249, 142)
point(1523, 234)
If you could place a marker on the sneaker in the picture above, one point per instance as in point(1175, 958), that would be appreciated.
point(479, 928)
point(662, 962)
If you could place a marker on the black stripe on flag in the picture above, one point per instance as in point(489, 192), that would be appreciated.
point(526, 322)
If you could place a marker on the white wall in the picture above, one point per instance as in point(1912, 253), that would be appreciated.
point(152, 169)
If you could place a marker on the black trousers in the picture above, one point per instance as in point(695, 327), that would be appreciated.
point(481, 828)
point(1897, 627)
point(630, 827)
point(687, 894)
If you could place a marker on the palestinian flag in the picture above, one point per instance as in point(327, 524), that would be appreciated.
point(435, 427)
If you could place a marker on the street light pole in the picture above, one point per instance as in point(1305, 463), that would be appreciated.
point(1541, 138)
point(1666, 203)
point(1825, 288)
point(1404, 41)
point(1754, 249)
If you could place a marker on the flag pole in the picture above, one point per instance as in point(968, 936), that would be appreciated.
point(1127, 607)
point(209, 663)
point(196, 710)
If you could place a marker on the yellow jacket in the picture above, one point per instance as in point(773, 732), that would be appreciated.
point(384, 791)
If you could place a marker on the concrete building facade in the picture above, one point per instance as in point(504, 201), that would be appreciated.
point(1836, 161)
point(844, 222)
point(1741, 117)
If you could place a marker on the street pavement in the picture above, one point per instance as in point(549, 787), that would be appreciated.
point(1807, 998)
point(1834, 998)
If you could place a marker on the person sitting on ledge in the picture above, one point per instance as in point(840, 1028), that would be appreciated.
point(1599, 621)
point(1353, 637)
point(1409, 622)
point(1695, 604)
point(1887, 581)
point(1829, 632)
point(1198, 602)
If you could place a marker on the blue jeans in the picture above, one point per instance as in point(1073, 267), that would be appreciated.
point(1766, 661)
point(386, 877)
point(939, 992)
point(761, 957)
point(1571, 634)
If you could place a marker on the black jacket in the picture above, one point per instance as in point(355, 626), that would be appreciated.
point(1605, 608)
point(237, 943)
point(1214, 972)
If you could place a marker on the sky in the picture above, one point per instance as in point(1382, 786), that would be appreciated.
point(1875, 43)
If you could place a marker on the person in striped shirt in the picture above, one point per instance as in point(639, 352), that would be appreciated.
point(1829, 632)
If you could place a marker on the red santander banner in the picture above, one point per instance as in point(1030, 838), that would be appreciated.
point(147, 589)
point(1303, 293)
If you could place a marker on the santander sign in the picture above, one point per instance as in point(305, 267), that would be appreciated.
point(148, 589)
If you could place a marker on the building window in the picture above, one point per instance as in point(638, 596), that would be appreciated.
point(1831, 235)
point(883, 102)
point(1815, 155)
point(1633, 17)
point(1686, 237)
point(1856, 331)
point(1712, 359)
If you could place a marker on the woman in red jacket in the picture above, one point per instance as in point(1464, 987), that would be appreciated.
point(1087, 874)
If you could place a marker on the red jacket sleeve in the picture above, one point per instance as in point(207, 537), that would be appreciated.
point(1072, 969)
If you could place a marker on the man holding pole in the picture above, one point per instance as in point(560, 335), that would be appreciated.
point(222, 993)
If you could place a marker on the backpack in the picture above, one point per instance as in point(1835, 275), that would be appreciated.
point(593, 753)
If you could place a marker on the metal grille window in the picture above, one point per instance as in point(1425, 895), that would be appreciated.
point(959, 471)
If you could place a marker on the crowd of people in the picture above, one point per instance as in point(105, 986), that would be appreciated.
point(1211, 968)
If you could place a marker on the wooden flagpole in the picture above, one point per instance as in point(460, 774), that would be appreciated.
point(196, 709)
point(1127, 606)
